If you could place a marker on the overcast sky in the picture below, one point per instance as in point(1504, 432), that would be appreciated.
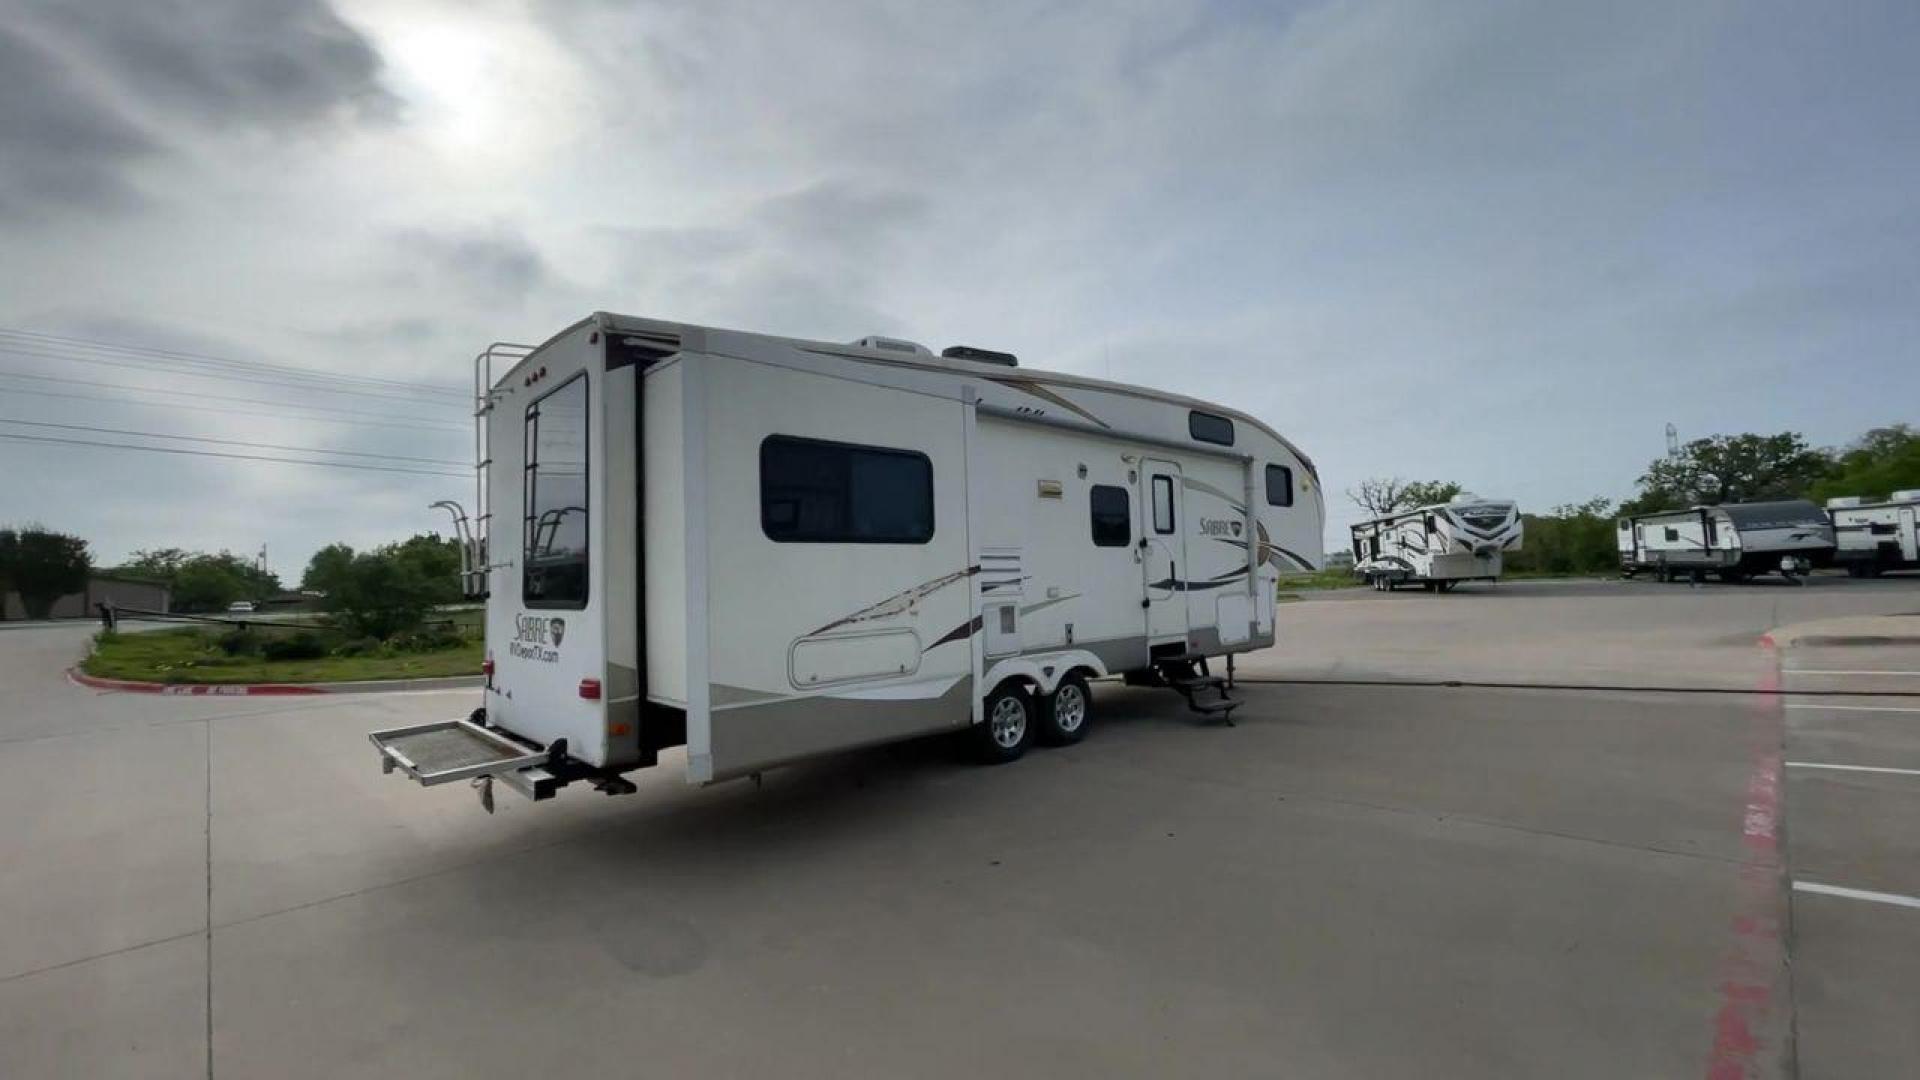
point(1498, 243)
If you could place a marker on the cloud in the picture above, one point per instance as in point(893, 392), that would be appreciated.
point(89, 91)
point(492, 263)
point(60, 145)
point(250, 63)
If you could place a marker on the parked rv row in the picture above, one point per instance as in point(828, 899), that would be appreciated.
point(1437, 547)
point(1738, 541)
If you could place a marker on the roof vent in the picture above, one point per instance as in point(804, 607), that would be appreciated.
point(980, 356)
point(893, 344)
point(1845, 502)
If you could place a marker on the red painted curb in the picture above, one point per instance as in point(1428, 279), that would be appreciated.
point(129, 686)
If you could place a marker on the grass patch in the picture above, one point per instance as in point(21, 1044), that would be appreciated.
point(1320, 579)
point(193, 656)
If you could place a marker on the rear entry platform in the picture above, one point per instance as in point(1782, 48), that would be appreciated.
point(449, 750)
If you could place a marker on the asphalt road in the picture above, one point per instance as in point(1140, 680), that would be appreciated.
point(1355, 881)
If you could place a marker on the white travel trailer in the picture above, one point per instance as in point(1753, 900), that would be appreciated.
point(767, 549)
point(1735, 541)
point(1875, 536)
point(1437, 547)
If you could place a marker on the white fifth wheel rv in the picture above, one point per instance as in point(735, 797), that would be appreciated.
point(1734, 541)
point(1437, 547)
point(766, 549)
point(1875, 536)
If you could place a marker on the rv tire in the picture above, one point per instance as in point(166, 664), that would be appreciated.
point(1007, 723)
point(1067, 711)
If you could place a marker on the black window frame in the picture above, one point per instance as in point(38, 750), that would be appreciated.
point(1205, 427)
point(1173, 519)
point(1672, 535)
point(1124, 518)
point(913, 540)
point(1285, 473)
point(529, 489)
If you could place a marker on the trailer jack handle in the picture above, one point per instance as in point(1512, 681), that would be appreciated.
point(484, 785)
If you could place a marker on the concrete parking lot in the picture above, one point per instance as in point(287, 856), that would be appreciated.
point(1357, 880)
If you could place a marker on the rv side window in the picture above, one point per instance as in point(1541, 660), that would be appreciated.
point(1207, 427)
point(1163, 504)
point(1279, 485)
point(816, 492)
point(1112, 516)
point(1882, 528)
point(1431, 527)
point(1673, 533)
point(554, 570)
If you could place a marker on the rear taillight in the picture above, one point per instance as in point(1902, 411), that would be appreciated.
point(486, 666)
point(590, 689)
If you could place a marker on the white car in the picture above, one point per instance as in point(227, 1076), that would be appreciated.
point(240, 607)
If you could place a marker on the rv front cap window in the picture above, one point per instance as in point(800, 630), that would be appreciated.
point(554, 569)
point(1279, 485)
point(1112, 516)
point(1207, 427)
point(818, 492)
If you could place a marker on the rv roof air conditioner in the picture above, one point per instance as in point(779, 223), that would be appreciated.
point(1907, 495)
point(982, 356)
point(1845, 502)
point(893, 344)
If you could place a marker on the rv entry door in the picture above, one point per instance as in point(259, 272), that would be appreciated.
point(1909, 535)
point(1163, 551)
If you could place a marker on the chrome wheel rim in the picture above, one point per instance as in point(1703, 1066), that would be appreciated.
point(1009, 722)
point(1069, 708)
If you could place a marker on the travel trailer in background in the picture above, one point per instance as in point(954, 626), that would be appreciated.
point(1734, 541)
point(1875, 536)
point(766, 549)
point(1437, 547)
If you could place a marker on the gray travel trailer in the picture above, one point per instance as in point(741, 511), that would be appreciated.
point(1437, 547)
point(1873, 536)
point(765, 549)
point(1733, 541)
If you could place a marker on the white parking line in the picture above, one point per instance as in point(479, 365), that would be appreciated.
point(1857, 894)
point(1854, 708)
point(1831, 671)
point(1851, 768)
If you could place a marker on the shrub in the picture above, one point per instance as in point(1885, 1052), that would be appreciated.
point(239, 641)
point(430, 639)
point(365, 646)
point(380, 595)
point(304, 645)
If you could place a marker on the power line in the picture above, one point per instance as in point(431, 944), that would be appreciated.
point(390, 419)
point(233, 457)
point(227, 442)
point(203, 360)
point(235, 376)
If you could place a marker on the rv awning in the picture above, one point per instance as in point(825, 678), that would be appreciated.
point(1773, 515)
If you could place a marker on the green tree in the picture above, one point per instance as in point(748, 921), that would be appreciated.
point(207, 583)
point(1382, 495)
point(43, 566)
point(327, 568)
point(159, 564)
point(9, 550)
point(1732, 468)
point(1577, 538)
point(381, 595)
point(1429, 493)
point(1884, 460)
point(436, 560)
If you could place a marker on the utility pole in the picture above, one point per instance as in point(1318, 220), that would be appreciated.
point(1673, 441)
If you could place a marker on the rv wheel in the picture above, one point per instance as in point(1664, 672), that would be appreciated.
point(1006, 728)
point(1064, 716)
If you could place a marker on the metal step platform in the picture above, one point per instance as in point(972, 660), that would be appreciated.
point(449, 750)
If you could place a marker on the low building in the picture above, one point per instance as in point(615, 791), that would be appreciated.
point(101, 589)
